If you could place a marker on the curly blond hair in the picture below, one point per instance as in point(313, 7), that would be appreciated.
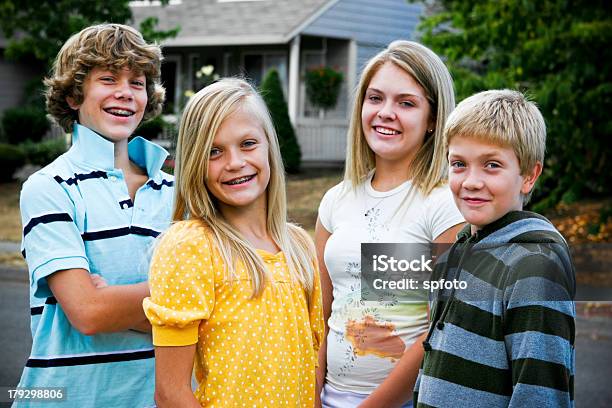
point(113, 46)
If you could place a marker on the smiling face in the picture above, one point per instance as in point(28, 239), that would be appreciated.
point(395, 115)
point(239, 169)
point(486, 180)
point(113, 102)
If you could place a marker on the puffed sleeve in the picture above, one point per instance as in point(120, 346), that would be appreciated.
point(181, 280)
point(51, 238)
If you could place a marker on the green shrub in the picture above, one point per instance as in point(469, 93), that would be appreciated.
point(24, 123)
point(558, 53)
point(43, 153)
point(323, 86)
point(151, 129)
point(11, 158)
point(272, 94)
point(34, 93)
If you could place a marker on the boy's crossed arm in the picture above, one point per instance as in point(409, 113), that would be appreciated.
point(91, 309)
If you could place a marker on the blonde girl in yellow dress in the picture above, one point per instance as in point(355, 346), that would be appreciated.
point(235, 292)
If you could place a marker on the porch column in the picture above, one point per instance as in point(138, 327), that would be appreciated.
point(351, 78)
point(294, 79)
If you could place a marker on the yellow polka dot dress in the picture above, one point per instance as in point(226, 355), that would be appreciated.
point(258, 352)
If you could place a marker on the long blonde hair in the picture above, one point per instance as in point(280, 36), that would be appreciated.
point(429, 166)
point(203, 115)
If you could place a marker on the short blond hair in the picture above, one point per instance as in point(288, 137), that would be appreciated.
point(429, 166)
point(113, 46)
point(200, 122)
point(502, 117)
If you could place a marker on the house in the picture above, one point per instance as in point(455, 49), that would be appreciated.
point(249, 37)
point(14, 77)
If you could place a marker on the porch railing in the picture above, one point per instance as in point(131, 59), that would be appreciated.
point(322, 139)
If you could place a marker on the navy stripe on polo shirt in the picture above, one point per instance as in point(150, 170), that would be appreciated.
point(90, 359)
point(36, 310)
point(45, 219)
point(78, 215)
point(155, 186)
point(119, 232)
point(80, 177)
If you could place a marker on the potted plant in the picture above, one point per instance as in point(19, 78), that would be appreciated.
point(323, 86)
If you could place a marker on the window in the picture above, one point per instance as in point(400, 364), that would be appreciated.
point(257, 65)
point(193, 67)
point(310, 59)
point(170, 70)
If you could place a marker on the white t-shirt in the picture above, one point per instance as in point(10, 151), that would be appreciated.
point(367, 338)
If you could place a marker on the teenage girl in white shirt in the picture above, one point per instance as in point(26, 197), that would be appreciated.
point(393, 191)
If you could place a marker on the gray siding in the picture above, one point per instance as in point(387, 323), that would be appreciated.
point(365, 52)
point(372, 24)
point(368, 22)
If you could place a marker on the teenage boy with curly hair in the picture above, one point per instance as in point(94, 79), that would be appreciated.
point(89, 219)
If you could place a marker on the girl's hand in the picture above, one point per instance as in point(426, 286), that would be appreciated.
point(98, 281)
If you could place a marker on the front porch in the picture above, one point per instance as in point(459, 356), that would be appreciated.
point(321, 134)
point(322, 141)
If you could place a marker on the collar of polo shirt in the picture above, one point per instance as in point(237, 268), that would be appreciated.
point(95, 151)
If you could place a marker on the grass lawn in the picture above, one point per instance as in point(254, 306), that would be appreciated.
point(304, 193)
point(10, 221)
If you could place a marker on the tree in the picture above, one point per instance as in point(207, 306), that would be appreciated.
point(557, 52)
point(42, 26)
point(37, 29)
point(272, 94)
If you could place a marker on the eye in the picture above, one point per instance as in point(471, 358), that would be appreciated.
point(457, 164)
point(374, 98)
point(249, 143)
point(493, 165)
point(138, 83)
point(108, 79)
point(407, 104)
point(214, 152)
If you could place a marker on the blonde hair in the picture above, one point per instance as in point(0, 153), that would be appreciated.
point(203, 115)
point(114, 46)
point(429, 166)
point(505, 118)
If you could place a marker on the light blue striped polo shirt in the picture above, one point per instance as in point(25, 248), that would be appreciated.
point(77, 213)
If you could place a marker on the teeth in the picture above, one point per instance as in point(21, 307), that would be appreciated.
point(386, 131)
point(240, 180)
point(120, 112)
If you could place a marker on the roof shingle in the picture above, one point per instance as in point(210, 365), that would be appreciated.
point(210, 22)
